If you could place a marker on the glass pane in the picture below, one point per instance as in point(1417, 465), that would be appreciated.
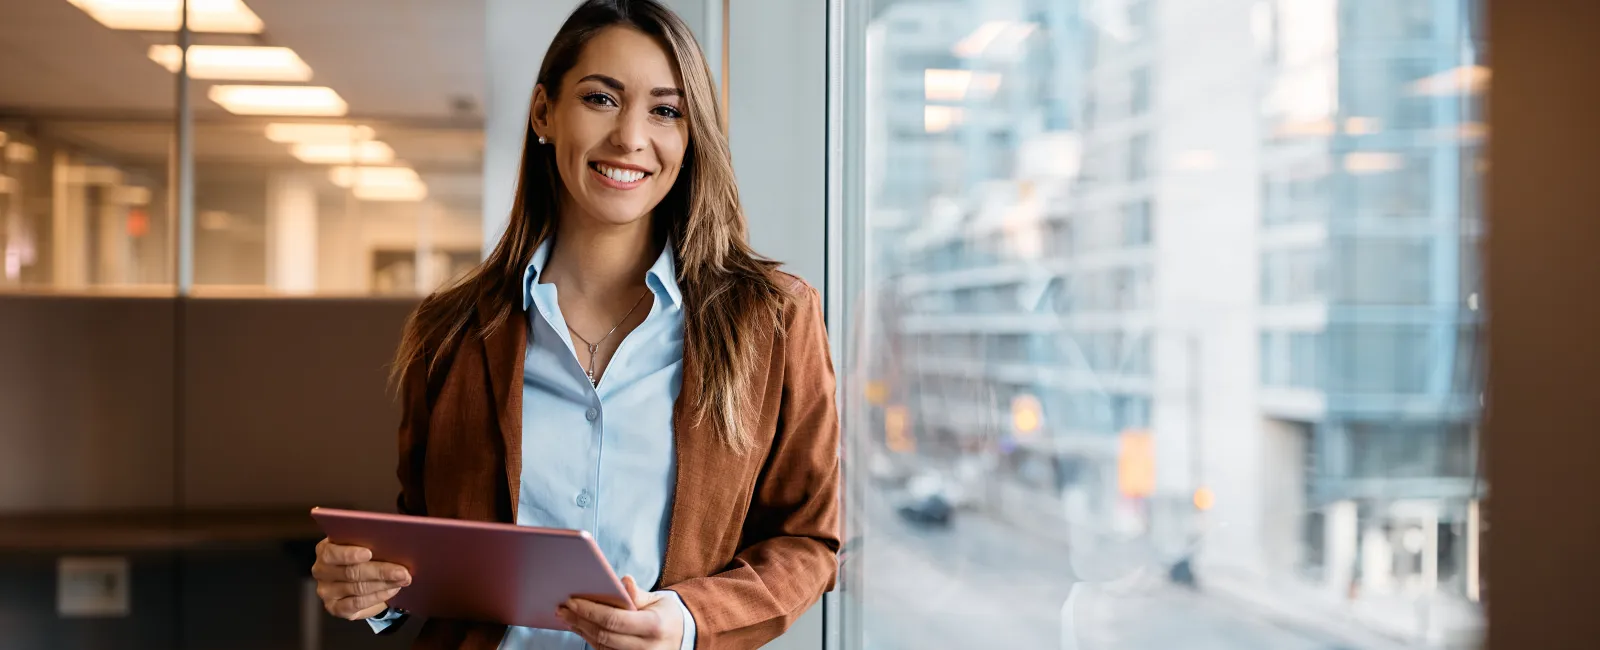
point(85, 132)
point(1167, 324)
point(347, 168)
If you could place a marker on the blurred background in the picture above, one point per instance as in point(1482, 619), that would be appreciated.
point(1158, 323)
point(1171, 327)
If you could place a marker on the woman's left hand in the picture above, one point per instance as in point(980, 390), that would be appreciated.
point(656, 625)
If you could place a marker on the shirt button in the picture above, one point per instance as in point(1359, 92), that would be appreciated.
point(583, 499)
point(592, 414)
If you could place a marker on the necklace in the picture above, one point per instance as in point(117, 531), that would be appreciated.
point(595, 347)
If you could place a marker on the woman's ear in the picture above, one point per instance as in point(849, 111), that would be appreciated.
point(539, 112)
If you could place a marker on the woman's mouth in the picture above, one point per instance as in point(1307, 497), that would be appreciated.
point(620, 178)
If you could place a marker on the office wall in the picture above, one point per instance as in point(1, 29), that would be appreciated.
point(284, 403)
point(86, 403)
point(1544, 509)
point(777, 127)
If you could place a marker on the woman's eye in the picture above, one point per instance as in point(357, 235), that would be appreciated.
point(599, 99)
point(667, 111)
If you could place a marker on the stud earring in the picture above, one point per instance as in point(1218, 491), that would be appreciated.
point(542, 140)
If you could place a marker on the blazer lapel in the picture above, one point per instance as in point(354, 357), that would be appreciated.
point(504, 353)
point(694, 470)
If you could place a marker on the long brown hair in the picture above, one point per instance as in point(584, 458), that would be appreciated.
point(730, 293)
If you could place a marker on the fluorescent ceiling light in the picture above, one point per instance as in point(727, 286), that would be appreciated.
point(216, 16)
point(1465, 80)
point(319, 101)
point(410, 192)
point(299, 132)
point(371, 152)
point(952, 85)
point(380, 183)
point(241, 62)
point(938, 119)
point(345, 176)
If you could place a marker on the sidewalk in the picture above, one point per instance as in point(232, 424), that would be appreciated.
point(1372, 622)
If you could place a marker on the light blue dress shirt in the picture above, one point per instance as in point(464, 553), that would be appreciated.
point(600, 459)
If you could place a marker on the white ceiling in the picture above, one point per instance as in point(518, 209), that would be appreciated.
point(389, 58)
point(404, 66)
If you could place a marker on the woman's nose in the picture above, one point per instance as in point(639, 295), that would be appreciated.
point(629, 134)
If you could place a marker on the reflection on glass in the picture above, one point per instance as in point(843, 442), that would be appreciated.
point(1169, 332)
point(86, 126)
point(354, 181)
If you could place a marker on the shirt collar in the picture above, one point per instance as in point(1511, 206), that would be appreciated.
point(662, 278)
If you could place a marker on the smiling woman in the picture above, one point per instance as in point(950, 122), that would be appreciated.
point(693, 435)
point(610, 139)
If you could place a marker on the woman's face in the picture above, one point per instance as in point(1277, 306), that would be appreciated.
point(618, 127)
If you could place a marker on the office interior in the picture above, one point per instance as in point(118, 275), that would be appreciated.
point(1157, 323)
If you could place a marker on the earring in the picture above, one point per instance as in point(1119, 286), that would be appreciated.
point(542, 140)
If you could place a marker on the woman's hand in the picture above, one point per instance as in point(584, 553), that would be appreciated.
point(657, 625)
point(351, 585)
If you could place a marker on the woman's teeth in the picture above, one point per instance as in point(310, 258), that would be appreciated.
point(619, 175)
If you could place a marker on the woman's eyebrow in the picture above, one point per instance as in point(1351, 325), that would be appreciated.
point(614, 84)
point(610, 82)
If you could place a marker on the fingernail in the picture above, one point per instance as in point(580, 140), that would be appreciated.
point(397, 575)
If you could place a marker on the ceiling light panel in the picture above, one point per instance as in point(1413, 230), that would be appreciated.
point(307, 132)
point(318, 101)
point(234, 62)
point(210, 16)
point(365, 153)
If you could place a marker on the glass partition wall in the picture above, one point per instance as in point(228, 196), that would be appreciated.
point(311, 168)
point(1161, 322)
point(326, 160)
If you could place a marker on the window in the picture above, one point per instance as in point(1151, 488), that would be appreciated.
point(1293, 276)
point(1400, 271)
point(1139, 158)
point(1244, 360)
point(1141, 91)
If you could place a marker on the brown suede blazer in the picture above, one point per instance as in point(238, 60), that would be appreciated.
point(753, 538)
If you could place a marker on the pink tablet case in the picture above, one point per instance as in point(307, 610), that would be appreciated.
point(477, 571)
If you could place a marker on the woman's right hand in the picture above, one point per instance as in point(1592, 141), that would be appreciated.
point(351, 585)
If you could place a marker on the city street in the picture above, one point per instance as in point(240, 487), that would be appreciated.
point(981, 583)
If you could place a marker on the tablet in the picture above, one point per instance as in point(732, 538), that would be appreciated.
point(478, 571)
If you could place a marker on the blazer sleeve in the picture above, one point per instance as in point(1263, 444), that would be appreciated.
point(790, 553)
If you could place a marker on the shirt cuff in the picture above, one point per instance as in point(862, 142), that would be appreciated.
point(688, 620)
point(382, 621)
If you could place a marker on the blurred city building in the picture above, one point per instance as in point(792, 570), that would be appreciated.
point(1201, 274)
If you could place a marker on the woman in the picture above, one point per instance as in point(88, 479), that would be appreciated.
point(625, 364)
